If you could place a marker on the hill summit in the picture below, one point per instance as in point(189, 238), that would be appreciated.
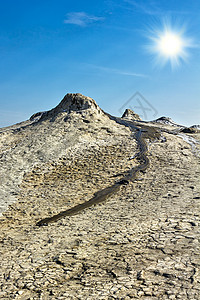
point(70, 102)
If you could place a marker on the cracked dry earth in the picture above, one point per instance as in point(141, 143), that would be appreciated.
point(142, 243)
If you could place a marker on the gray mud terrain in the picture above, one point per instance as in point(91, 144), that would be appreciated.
point(141, 243)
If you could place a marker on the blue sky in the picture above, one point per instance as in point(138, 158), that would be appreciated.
point(100, 49)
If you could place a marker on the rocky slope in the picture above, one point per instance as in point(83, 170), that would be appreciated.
point(142, 243)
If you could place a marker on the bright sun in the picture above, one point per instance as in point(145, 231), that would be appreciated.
point(169, 45)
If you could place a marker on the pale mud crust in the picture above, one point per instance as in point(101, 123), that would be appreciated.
point(142, 243)
point(37, 144)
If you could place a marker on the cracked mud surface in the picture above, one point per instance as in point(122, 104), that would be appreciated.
point(102, 195)
point(142, 243)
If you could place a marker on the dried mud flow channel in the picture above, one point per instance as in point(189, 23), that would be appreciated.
point(104, 194)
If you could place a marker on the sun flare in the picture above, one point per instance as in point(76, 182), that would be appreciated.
point(169, 44)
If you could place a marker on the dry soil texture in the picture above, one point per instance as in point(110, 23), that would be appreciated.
point(142, 243)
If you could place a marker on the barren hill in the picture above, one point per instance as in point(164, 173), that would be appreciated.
point(141, 243)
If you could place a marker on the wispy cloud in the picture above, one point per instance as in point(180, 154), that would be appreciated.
point(81, 18)
point(115, 71)
point(151, 9)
